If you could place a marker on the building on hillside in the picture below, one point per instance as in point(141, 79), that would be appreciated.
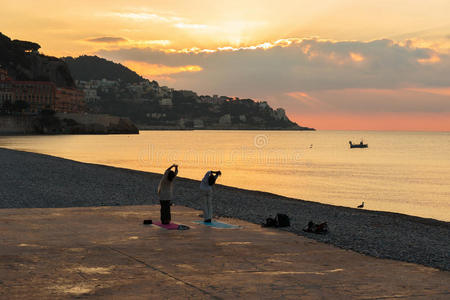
point(263, 105)
point(107, 86)
point(38, 95)
point(6, 87)
point(215, 99)
point(3, 74)
point(165, 92)
point(199, 123)
point(225, 119)
point(280, 114)
point(69, 100)
point(166, 102)
point(188, 93)
point(90, 95)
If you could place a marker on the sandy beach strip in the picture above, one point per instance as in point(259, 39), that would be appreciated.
point(33, 180)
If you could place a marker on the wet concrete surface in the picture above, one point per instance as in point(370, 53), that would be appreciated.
point(106, 252)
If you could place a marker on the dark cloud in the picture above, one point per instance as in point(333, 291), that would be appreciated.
point(314, 66)
point(107, 39)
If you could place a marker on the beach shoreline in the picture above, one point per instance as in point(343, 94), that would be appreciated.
point(36, 180)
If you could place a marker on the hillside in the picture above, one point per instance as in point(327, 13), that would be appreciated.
point(23, 62)
point(96, 68)
point(116, 90)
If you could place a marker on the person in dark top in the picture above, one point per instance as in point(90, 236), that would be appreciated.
point(165, 192)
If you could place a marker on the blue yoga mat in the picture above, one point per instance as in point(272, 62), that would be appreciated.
point(216, 224)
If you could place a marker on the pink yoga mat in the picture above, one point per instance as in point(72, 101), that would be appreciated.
point(171, 226)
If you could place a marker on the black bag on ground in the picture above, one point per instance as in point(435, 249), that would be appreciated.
point(282, 220)
point(270, 222)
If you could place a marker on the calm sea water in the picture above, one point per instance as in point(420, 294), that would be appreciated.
point(406, 172)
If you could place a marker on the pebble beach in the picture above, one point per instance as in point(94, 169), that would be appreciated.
point(30, 180)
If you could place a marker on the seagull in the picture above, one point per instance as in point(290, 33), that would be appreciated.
point(362, 205)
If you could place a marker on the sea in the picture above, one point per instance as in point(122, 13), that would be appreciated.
point(403, 172)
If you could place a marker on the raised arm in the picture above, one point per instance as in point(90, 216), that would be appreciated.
point(216, 173)
point(172, 166)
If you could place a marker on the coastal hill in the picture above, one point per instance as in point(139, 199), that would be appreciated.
point(38, 96)
point(95, 68)
point(114, 89)
point(23, 62)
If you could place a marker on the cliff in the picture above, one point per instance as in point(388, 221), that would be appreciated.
point(23, 62)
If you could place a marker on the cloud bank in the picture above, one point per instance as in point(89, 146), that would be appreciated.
point(311, 75)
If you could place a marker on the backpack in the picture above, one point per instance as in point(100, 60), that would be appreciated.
point(282, 220)
point(270, 222)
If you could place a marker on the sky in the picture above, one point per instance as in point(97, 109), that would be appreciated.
point(332, 64)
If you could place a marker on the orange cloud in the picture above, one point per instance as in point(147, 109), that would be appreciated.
point(432, 59)
point(435, 91)
point(157, 70)
point(306, 99)
point(356, 57)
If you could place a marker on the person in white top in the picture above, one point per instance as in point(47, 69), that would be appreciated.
point(206, 186)
point(165, 192)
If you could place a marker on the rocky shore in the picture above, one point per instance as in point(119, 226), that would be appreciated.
point(34, 180)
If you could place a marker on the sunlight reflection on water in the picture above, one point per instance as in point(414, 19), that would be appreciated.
point(407, 172)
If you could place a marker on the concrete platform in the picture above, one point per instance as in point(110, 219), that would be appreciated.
point(106, 252)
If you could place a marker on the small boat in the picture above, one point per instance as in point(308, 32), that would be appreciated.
point(360, 145)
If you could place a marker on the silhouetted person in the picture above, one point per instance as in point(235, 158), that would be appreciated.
point(165, 192)
point(362, 205)
point(206, 186)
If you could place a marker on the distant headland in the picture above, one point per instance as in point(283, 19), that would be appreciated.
point(114, 89)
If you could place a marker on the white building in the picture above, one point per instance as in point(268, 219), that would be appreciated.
point(279, 114)
point(165, 92)
point(165, 102)
point(225, 120)
point(198, 123)
point(90, 95)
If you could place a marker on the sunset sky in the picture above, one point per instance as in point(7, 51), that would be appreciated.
point(332, 64)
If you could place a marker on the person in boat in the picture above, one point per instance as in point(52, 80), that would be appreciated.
point(206, 187)
point(165, 192)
